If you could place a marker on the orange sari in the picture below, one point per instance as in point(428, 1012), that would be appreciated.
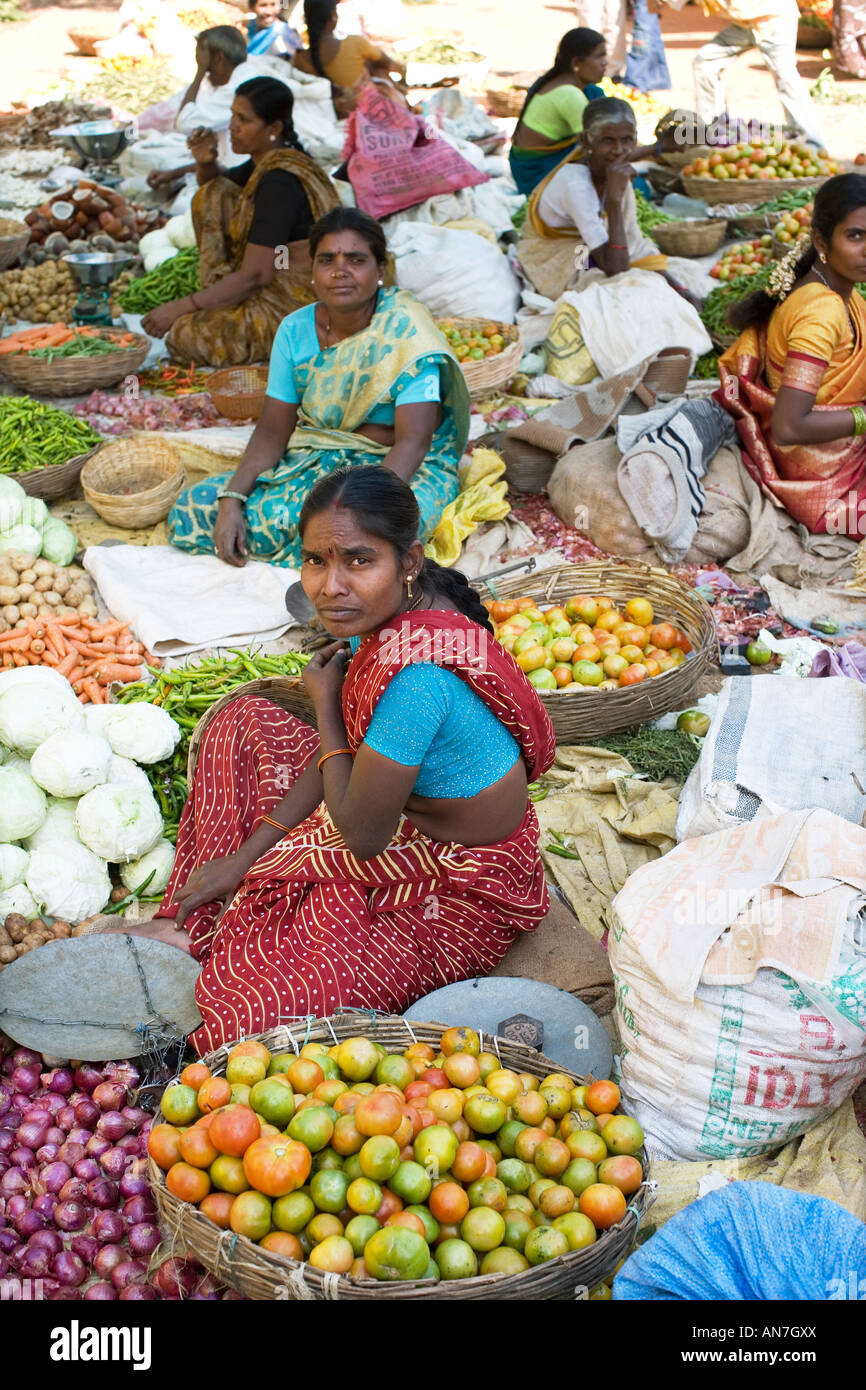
point(811, 345)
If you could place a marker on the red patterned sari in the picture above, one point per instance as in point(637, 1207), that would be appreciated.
point(809, 344)
point(312, 928)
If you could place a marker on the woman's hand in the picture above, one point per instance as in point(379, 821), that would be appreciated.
point(323, 676)
point(202, 145)
point(160, 320)
point(230, 533)
point(619, 177)
point(213, 882)
point(164, 178)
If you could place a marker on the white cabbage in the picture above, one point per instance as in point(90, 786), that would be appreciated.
point(69, 881)
point(30, 714)
point(142, 732)
point(33, 513)
point(96, 718)
point(13, 866)
point(36, 675)
point(12, 496)
point(59, 824)
point(21, 537)
point(158, 861)
point(22, 805)
point(124, 772)
point(59, 544)
point(71, 764)
point(119, 822)
point(18, 899)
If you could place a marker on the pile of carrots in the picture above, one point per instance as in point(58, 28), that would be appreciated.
point(91, 655)
point(55, 335)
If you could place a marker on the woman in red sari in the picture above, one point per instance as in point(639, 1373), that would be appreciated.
point(795, 380)
point(395, 850)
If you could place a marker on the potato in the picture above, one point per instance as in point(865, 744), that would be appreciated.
point(28, 610)
point(88, 608)
point(8, 594)
point(11, 613)
point(61, 584)
point(22, 948)
point(60, 930)
point(16, 925)
point(21, 625)
point(51, 598)
point(44, 611)
point(7, 954)
point(44, 567)
point(44, 582)
point(4, 626)
point(8, 577)
point(28, 576)
point(25, 591)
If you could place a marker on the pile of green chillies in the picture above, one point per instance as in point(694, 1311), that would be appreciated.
point(36, 435)
point(173, 279)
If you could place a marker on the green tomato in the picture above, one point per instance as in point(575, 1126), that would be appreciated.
point(757, 654)
point(694, 721)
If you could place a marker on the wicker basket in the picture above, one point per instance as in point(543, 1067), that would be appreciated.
point(287, 692)
point(239, 392)
point(488, 376)
point(591, 713)
point(12, 244)
point(133, 482)
point(262, 1275)
point(664, 181)
point(505, 102)
point(781, 248)
point(668, 374)
point(722, 341)
point(678, 159)
point(745, 190)
point(757, 223)
point(72, 376)
point(814, 36)
point(696, 236)
point(85, 40)
point(57, 481)
point(527, 467)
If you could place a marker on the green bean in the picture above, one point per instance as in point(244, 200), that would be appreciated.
point(173, 279)
point(36, 435)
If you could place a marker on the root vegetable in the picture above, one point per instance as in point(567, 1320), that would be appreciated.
point(28, 576)
point(16, 926)
point(11, 613)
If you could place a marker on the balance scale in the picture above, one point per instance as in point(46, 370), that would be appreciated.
point(100, 143)
point(94, 272)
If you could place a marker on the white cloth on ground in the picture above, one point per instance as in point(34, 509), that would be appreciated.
point(615, 337)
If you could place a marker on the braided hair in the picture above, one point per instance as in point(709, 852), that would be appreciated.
point(317, 16)
point(385, 507)
point(272, 101)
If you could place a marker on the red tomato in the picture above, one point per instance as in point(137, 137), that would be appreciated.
point(277, 1165)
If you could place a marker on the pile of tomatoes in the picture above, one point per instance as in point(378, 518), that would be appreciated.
point(764, 160)
point(410, 1165)
point(473, 344)
point(792, 225)
point(587, 643)
point(744, 258)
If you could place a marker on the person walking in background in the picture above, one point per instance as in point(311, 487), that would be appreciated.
point(849, 37)
point(610, 18)
point(647, 66)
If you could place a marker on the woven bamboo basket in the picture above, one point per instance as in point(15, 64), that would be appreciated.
point(505, 102)
point(260, 1274)
point(592, 713)
point(663, 180)
point(722, 341)
point(13, 243)
point(781, 248)
point(85, 40)
point(71, 376)
point(757, 223)
point(56, 481)
point(668, 374)
point(745, 190)
point(286, 691)
point(814, 35)
point(133, 482)
point(696, 236)
point(678, 159)
point(527, 468)
point(239, 392)
point(486, 377)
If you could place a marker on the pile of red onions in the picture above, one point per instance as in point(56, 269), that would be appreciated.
point(76, 1210)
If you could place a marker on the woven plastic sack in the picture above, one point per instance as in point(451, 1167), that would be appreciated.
point(396, 160)
point(750, 1241)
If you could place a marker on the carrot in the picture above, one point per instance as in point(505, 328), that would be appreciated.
point(106, 629)
point(93, 691)
point(19, 642)
point(49, 659)
point(37, 647)
point(55, 641)
point(19, 660)
point(68, 664)
point(67, 620)
point(75, 675)
point(106, 674)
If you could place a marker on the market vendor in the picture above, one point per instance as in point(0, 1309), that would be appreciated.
point(795, 380)
point(551, 121)
point(395, 850)
point(345, 62)
point(364, 376)
point(252, 226)
point(268, 32)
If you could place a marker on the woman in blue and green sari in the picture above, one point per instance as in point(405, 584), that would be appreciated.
point(363, 376)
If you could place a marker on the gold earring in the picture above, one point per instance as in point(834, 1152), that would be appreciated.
point(409, 588)
point(822, 258)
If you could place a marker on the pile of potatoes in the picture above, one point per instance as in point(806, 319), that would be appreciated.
point(31, 588)
point(18, 936)
point(48, 293)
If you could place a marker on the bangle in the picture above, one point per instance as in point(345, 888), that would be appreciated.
point(276, 824)
point(616, 246)
point(235, 496)
point(859, 418)
point(193, 301)
point(325, 756)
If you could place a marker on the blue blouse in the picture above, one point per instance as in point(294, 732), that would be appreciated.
point(296, 343)
point(429, 716)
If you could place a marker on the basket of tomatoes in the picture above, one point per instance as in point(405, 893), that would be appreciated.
point(605, 645)
point(488, 352)
point(409, 1162)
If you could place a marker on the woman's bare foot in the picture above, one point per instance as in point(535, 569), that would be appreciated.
point(160, 929)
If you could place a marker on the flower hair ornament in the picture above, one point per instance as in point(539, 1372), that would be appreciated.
point(783, 274)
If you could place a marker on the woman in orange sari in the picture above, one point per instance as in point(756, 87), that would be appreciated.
point(795, 380)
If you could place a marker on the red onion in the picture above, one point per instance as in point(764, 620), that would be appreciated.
point(71, 1153)
point(78, 1135)
point(17, 1255)
point(32, 1134)
point(5, 1099)
point(110, 1095)
point(71, 1216)
point(23, 1157)
point(25, 1079)
point(87, 1168)
point(46, 1202)
point(7, 1066)
point(54, 1104)
point(14, 1180)
point(130, 1144)
point(47, 1154)
point(16, 1205)
point(36, 1262)
point(107, 1258)
point(87, 1078)
point(73, 1190)
point(7, 1140)
point(175, 1278)
point(129, 1272)
point(37, 1113)
point(66, 1117)
point(96, 1146)
point(29, 1222)
point(55, 1135)
point(113, 1162)
point(143, 1239)
point(8, 1240)
point(20, 1103)
point(127, 1073)
point(137, 1293)
point(134, 1184)
point(86, 1114)
point(112, 1126)
point(25, 1056)
point(138, 1209)
point(109, 1227)
point(4, 1266)
point(52, 1240)
point(69, 1268)
point(102, 1193)
point(135, 1115)
point(61, 1293)
point(99, 1293)
point(55, 1175)
point(85, 1247)
point(60, 1080)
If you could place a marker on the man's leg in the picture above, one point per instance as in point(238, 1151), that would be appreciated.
point(607, 17)
point(779, 51)
point(711, 61)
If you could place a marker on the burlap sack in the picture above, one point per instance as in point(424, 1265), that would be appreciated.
point(583, 492)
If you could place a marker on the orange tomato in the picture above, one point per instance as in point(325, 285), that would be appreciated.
point(194, 1075)
point(214, 1093)
point(682, 641)
point(196, 1148)
point(305, 1075)
point(251, 1049)
point(663, 635)
point(460, 1040)
point(347, 1138)
point(447, 1105)
point(391, 1203)
point(379, 1113)
point(608, 620)
point(622, 1172)
point(603, 1204)
point(232, 1130)
point(633, 675)
point(276, 1165)
point(470, 1162)
point(437, 1079)
point(187, 1183)
point(163, 1145)
point(409, 1220)
point(282, 1243)
point(502, 609)
point(602, 1097)
point(448, 1202)
point(217, 1206)
point(417, 1091)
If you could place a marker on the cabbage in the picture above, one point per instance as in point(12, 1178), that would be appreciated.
point(119, 823)
point(59, 544)
point(124, 772)
point(22, 805)
point(21, 537)
point(33, 513)
point(159, 859)
point(141, 732)
point(59, 824)
point(18, 899)
point(37, 675)
point(29, 714)
point(12, 496)
point(71, 764)
point(13, 866)
point(96, 718)
point(69, 881)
